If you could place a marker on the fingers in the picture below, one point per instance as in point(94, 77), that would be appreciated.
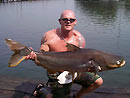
point(31, 56)
point(31, 48)
point(27, 57)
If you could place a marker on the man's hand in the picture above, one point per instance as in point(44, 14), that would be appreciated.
point(31, 56)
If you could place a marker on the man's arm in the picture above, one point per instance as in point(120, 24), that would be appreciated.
point(44, 45)
point(81, 41)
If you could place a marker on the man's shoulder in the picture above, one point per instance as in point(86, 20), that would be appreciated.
point(80, 37)
point(50, 34)
point(77, 33)
point(53, 31)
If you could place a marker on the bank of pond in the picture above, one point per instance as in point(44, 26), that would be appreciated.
point(8, 1)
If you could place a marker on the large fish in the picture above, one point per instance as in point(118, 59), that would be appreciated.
point(73, 60)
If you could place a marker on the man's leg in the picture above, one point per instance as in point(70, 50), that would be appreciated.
point(89, 82)
point(91, 88)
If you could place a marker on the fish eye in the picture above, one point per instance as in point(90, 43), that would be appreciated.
point(118, 62)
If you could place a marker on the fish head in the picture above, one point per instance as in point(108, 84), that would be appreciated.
point(112, 61)
point(118, 64)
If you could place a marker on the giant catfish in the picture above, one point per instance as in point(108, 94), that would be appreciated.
point(73, 60)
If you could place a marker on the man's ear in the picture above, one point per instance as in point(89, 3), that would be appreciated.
point(59, 21)
point(75, 22)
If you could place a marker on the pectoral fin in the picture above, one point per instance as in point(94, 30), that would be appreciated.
point(94, 67)
point(74, 75)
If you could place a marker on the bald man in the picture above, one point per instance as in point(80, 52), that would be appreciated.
point(55, 40)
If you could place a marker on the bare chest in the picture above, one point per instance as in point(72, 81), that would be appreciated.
point(60, 44)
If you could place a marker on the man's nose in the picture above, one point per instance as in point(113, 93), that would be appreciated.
point(68, 21)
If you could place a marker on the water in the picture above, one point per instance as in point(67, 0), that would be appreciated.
point(104, 24)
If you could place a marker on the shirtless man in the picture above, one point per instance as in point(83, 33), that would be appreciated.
point(55, 40)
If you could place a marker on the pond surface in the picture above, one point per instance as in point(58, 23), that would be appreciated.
point(104, 24)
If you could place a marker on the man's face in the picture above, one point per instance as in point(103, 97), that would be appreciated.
point(67, 21)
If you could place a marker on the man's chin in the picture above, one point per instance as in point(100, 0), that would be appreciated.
point(68, 28)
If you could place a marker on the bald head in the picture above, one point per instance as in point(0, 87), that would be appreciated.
point(67, 13)
point(67, 20)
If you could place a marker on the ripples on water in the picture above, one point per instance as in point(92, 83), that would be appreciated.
point(104, 24)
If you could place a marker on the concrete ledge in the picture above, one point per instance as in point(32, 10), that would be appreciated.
point(11, 87)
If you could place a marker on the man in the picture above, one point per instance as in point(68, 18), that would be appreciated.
point(55, 40)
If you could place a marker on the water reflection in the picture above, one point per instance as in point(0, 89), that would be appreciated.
point(127, 9)
point(104, 11)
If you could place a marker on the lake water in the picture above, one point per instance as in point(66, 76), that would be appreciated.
point(104, 24)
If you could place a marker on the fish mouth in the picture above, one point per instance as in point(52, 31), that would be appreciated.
point(123, 63)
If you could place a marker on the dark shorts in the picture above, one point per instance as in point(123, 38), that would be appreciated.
point(63, 91)
point(86, 79)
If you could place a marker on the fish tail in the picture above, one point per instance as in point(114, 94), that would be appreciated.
point(20, 52)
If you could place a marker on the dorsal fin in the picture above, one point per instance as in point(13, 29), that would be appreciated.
point(71, 47)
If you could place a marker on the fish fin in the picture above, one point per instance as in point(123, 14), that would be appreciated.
point(94, 67)
point(78, 74)
point(13, 45)
point(74, 75)
point(20, 52)
point(71, 47)
point(15, 60)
